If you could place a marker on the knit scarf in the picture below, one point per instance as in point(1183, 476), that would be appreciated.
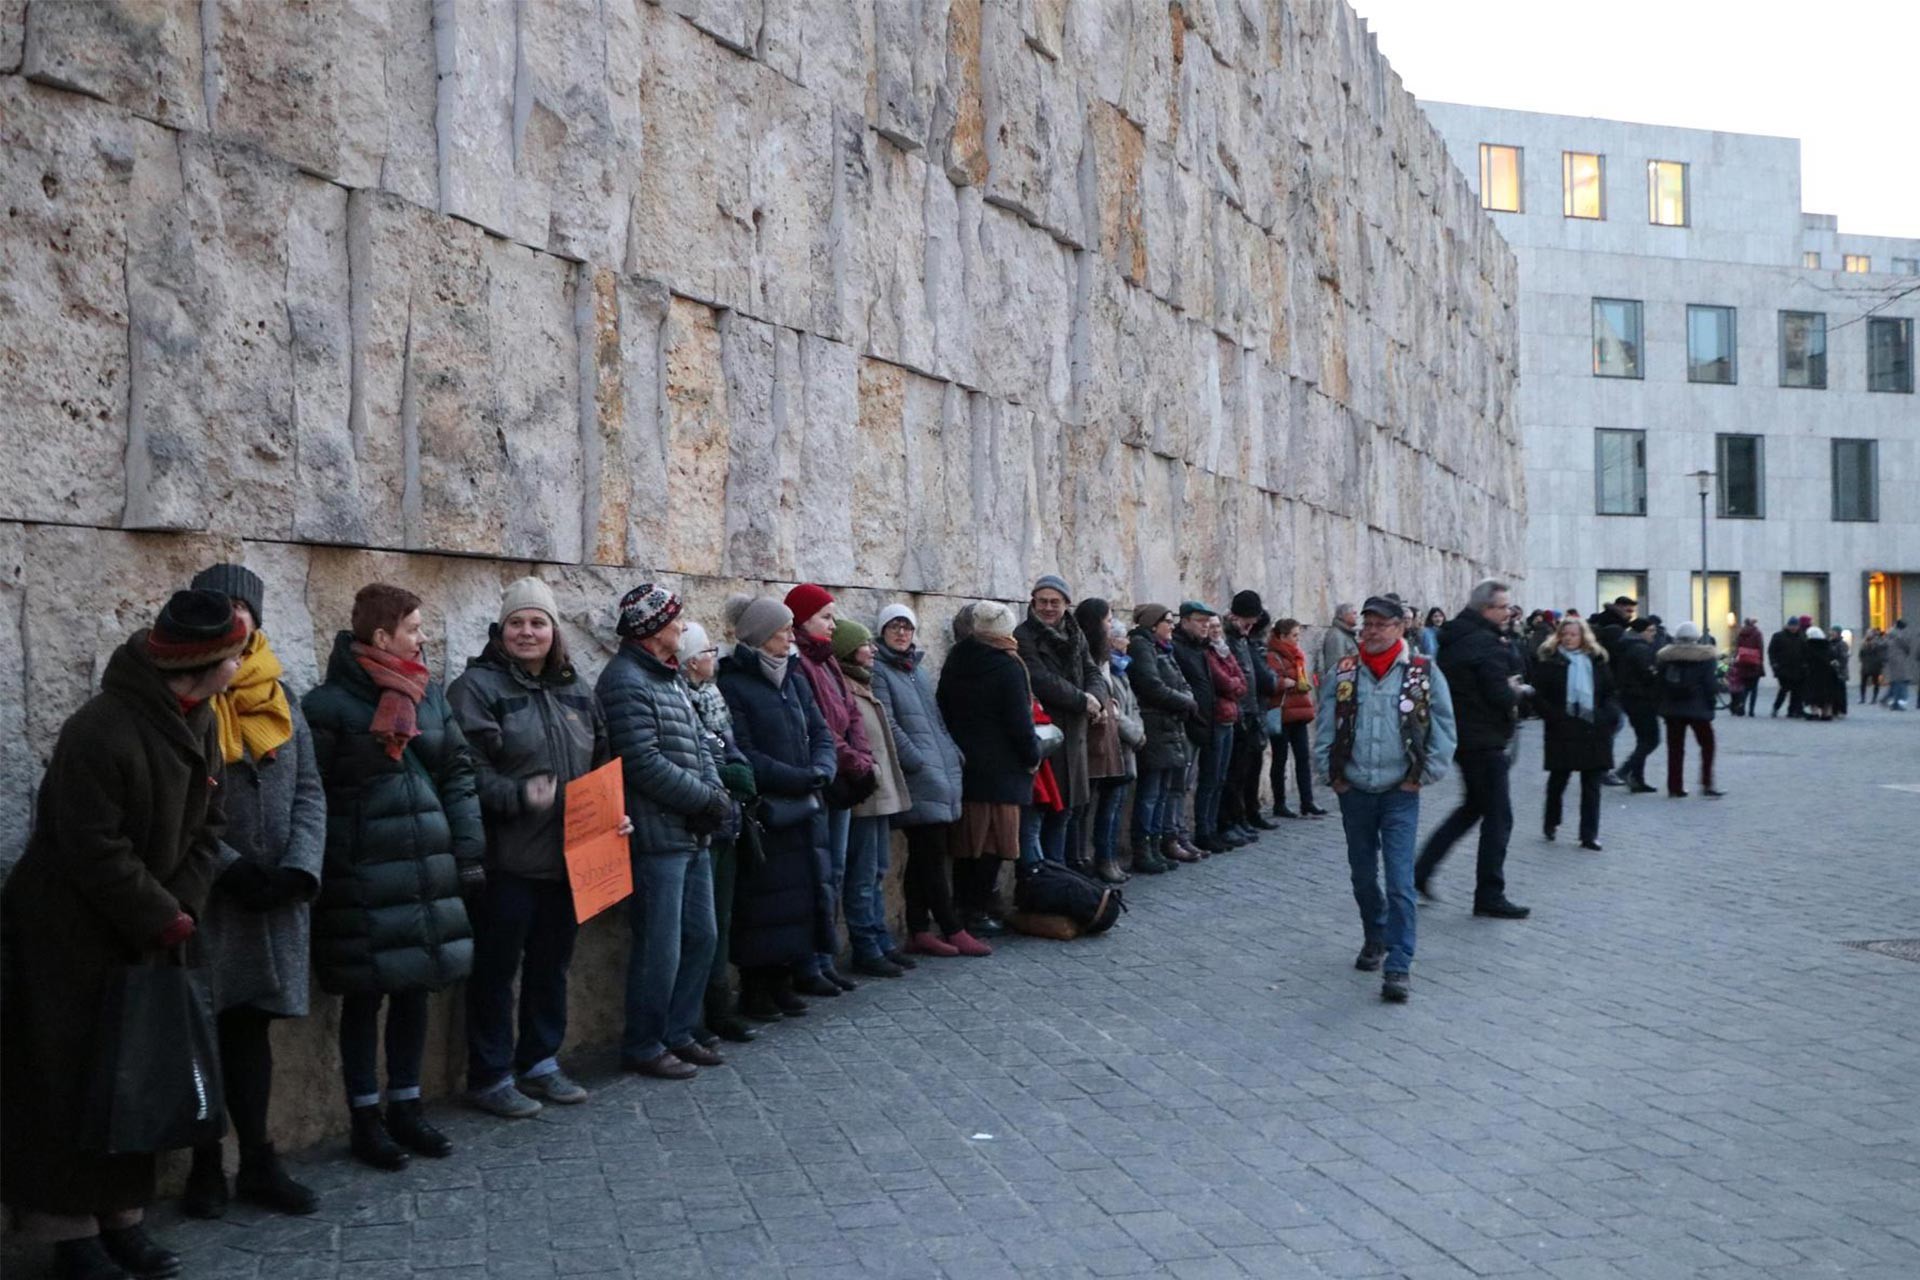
point(402, 683)
point(774, 669)
point(1579, 683)
point(1380, 663)
point(253, 715)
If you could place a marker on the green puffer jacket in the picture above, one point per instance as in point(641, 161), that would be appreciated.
point(389, 917)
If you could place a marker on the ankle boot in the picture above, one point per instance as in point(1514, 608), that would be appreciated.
point(264, 1181)
point(1176, 851)
point(407, 1122)
point(1109, 871)
point(372, 1144)
point(1146, 862)
point(85, 1259)
point(135, 1250)
point(206, 1192)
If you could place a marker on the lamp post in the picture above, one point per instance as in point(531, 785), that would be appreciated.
point(1704, 479)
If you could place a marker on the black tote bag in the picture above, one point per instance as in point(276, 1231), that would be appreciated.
point(156, 1071)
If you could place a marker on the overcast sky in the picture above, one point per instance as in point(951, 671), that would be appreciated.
point(1843, 76)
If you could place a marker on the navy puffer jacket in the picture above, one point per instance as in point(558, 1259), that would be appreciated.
point(670, 771)
point(928, 753)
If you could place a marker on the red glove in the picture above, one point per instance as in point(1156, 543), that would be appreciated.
point(178, 930)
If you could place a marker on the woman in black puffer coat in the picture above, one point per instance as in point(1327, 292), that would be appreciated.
point(1167, 705)
point(404, 840)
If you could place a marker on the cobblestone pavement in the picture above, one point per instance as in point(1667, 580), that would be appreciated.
point(1674, 1069)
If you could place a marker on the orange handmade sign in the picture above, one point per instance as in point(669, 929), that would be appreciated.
point(597, 858)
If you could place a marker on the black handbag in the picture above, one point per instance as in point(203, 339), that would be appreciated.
point(777, 813)
point(156, 1071)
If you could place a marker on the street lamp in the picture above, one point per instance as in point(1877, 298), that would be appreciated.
point(1704, 479)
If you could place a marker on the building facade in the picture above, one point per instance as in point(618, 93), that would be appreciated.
point(1680, 314)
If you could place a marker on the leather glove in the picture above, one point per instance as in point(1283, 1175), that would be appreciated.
point(473, 878)
point(178, 930)
point(249, 884)
point(738, 779)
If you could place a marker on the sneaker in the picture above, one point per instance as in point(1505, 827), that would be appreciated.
point(931, 944)
point(878, 967)
point(554, 1086)
point(1370, 957)
point(1502, 910)
point(1395, 988)
point(503, 1100)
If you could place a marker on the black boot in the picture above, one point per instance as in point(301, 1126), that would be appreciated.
point(407, 1122)
point(85, 1259)
point(206, 1192)
point(135, 1250)
point(372, 1144)
point(263, 1180)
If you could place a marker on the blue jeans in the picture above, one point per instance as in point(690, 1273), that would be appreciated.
point(1153, 800)
point(673, 940)
point(522, 928)
point(867, 841)
point(1380, 829)
point(1214, 755)
point(839, 829)
point(1110, 801)
point(1899, 692)
point(1043, 834)
point(360, 1044)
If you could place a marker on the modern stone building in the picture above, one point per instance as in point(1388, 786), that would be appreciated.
point(1679, 313)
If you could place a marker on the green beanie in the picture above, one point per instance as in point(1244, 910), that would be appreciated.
point(848, 635)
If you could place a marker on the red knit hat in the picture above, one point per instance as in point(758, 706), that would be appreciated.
point(806, 600)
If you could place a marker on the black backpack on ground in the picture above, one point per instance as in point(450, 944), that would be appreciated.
point(1054, 889)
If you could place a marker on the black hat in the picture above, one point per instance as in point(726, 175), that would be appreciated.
point(1246, 604)
point(1640, 623)
point(236, 582)
point(1387, 606)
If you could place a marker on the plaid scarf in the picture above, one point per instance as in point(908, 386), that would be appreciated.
point(402, 683)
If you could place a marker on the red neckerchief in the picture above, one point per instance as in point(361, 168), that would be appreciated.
point(1381, 663)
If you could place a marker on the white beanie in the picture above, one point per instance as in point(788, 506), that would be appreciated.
point(893, 613)
point(528, 593)
point(693, 639)
point(991, 618)
point(1686, 631)
point(1815, 633)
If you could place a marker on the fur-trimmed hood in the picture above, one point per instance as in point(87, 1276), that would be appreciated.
point(1688, 653)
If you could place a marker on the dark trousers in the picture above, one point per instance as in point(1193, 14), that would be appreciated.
point(1677, 753)
point(1240, 802)
point(360, 1044)
point(1589, 800)
point(976, 885)
point(1487, 801)
point(1870, 682)
point(1646, 739)
point(726, 868)
point(1789, 694)
point(1293, 739)
point(924, 882)
point(522, 929)
point(246, 1074)
point(1109, 804)
point(1747, 702)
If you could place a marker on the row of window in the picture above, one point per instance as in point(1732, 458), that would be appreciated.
point(1712, 346)
point(1620, 475)
point(1582, 185)
point(1860, 263)
point(1801, 594)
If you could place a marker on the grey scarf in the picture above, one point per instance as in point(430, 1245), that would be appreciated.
point(774, 669)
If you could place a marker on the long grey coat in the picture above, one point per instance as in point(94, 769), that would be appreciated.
point(1903, 654)
point(277, 817)
point(927, 751)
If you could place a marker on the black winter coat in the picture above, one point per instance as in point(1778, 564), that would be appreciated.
point(390, 917)
point(1609, 627)
point(1477, 658)
point(519, 726)
point(1166, 702)
point(785, 738)
point(1191, 654)
point(1689, 680)
point(1634, 675)
point(1787, 651)
point(988, 706)
point(1062, 671)
point(1253, 665)
point(1825, 681)
point(1573, 745)
point(670, 769)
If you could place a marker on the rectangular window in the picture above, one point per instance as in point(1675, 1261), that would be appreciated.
point(1667, 193)
point(1890, 354)
point(1743, 476)
point(1906, 266)
point(1499, 178)
point(1710, 339)
point(1616, 338)
point(1804, 595)
point(1803, 349)
point(1857, 263)
point(1720, 617)
point(1810, 259)
point(1580, 184)
point(1620, 472)
point(1856, 480)
point(1611, 584)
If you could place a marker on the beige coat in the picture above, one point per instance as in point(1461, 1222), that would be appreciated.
point(891, 795)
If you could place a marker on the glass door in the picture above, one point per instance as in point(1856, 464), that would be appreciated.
point(1722, 617)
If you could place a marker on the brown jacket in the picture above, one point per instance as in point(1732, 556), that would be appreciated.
point(126, 836)
point(890, 795)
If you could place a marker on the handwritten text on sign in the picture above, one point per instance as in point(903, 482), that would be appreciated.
point(597, 859)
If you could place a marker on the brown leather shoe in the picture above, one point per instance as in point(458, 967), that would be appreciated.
point(698, 1054)
point(665, 1067)
point(1178, 850)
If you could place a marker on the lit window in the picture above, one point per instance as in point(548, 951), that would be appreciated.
point(1803, 349)
point(1857, 263)
point(1890, 354)
point(1804, 595)
point(1580, 184)
point(1667, 193)
point(1810, 260)
point(1499, 178)
point(1742, 476)
point(1710, 344)
point(1620, 472)
point(1856, 480)
point(1616, 338)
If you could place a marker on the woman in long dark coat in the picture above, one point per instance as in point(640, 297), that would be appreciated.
point(1574, 692)
point(125, 843)
point(779, 728)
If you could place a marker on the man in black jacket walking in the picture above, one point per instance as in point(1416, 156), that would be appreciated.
point(1639, 685)
point(1483, 672)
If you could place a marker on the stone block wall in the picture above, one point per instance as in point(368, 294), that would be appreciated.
point(912, 299)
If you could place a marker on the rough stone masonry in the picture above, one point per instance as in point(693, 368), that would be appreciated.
point(907, 297)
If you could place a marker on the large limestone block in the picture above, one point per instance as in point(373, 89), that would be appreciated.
point(734, 23)
point(897, 259)
point(951, 224)
point(535, 377)
point(1118, 149)
point(909, 66)
point(960, 114)
point(410, 161)
point(829, 45)
point(746, 418)
point(144, 55)
point(1035, 129)
point(1021, 283)
point(792, 180)
point(825, 406)
point(13, 34)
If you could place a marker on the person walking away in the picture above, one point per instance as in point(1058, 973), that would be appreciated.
point(1244, 629)
point(1787, 651)
point(1338, 640)
point(677, 804)
point(1385, 730)
point(1689, 685)
point(256, 927)
point(1574, 691)
point(1823, 689)
point(1289, 719)
point(1638, 683)
point(870, 834)
point(1067, 683)
point(405, 849)
point(1167, 707)
point(1749, 665)
point(126, 841)
point(779, 729)
point(1483, 673)
point(1903, 664)
point(931, 759)
point(987, 704)
point(532, 726)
